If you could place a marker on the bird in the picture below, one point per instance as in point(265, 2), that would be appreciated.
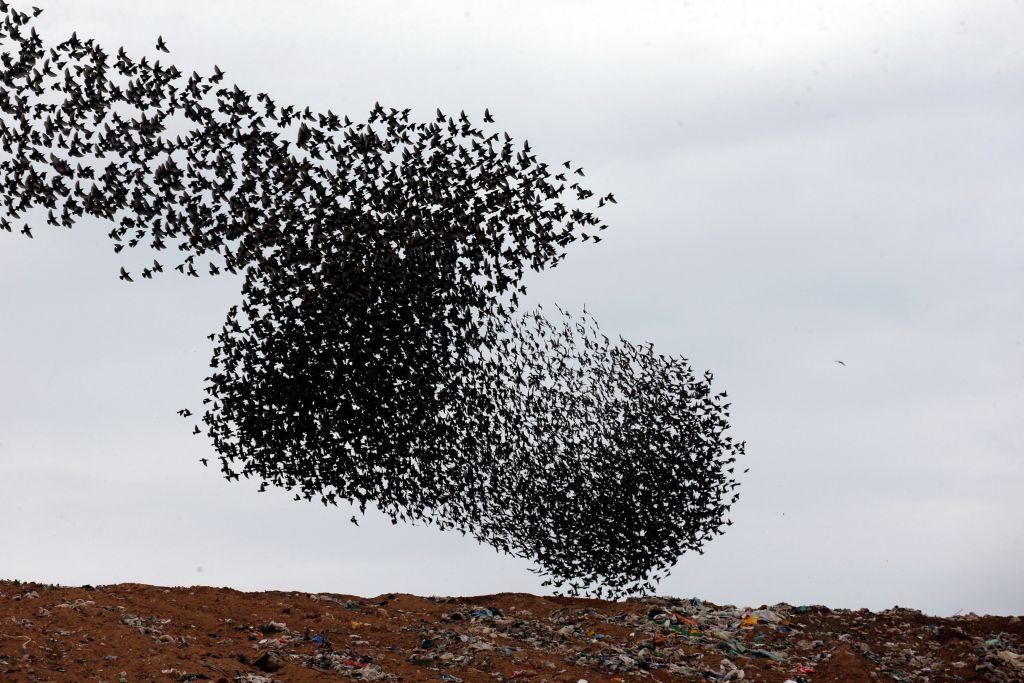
point(381, 350)
point(27, 231)
point(840, 363)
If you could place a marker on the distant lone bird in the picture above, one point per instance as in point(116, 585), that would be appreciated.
point(841, 363)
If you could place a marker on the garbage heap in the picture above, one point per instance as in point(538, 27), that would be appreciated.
point(132, 632)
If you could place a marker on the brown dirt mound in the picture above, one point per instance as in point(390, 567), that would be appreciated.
point(133, 632)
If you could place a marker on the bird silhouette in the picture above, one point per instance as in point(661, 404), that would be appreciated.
point(380, 353)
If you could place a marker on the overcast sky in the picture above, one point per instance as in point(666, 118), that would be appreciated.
point(798, 183)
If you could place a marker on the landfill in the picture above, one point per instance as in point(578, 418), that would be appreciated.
point(132, 632)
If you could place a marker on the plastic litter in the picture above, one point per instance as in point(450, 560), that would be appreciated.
point(453, 640)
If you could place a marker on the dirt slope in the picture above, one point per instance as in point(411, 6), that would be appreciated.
point(132, 632)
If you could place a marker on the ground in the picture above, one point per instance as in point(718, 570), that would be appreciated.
point(133, 632)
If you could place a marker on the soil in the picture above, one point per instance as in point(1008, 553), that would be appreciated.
point(134, 632)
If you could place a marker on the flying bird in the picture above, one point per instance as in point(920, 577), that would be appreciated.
point(380, 352)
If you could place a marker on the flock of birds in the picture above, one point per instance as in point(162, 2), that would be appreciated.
point(379, 354)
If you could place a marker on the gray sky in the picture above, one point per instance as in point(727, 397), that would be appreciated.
point(798, 182)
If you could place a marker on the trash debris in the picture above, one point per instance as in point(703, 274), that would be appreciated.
point(215, 634)
point(252, 678)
